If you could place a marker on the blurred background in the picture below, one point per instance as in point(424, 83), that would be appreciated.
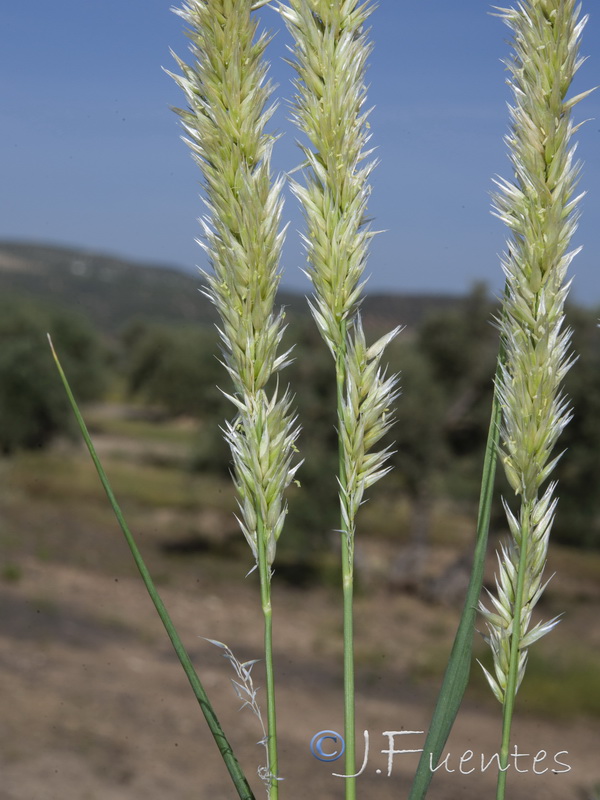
point(96, 698)
point(98, 190)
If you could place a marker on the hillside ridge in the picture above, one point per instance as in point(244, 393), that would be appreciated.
point(110, 290)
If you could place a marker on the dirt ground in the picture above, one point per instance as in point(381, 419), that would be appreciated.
point(95, 705)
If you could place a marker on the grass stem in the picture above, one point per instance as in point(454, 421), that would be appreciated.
point(512, 683)
point(331, 49)
point(347, 564)
point(349, 701)
point(265, 596)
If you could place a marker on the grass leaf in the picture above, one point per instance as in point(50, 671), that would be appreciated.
point(235, 771)
point(458, 669)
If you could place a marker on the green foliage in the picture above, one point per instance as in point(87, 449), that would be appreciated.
point(461, 346)
point(562, 684)
point(447, 366)
point(578, 520)
point(32, 403)
point(175, 368)
point(418, 434)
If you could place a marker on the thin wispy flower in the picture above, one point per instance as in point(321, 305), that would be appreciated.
point(247, 693)
point(539, 208)
point(227, 93)
point(330, 54)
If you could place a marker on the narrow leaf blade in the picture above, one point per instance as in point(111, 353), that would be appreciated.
point(235, 771)
point(458, 669)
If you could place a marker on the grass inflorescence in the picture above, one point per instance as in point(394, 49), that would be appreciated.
point(330, 52)
point(539, 209)
point(228, 93)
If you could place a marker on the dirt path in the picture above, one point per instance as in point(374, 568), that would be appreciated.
point(95, 705)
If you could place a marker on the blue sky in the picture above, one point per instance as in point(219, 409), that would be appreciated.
point(90, 152)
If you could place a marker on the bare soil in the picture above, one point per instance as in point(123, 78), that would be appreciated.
point(95, 704)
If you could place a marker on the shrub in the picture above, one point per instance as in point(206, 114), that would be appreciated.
point(32, 404)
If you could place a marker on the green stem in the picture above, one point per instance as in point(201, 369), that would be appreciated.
point(515, 649)
point(265, 596)
point(348, 592)
point(235, 771)
point(349, 717)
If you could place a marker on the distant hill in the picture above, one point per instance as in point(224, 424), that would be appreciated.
point(110, 291)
